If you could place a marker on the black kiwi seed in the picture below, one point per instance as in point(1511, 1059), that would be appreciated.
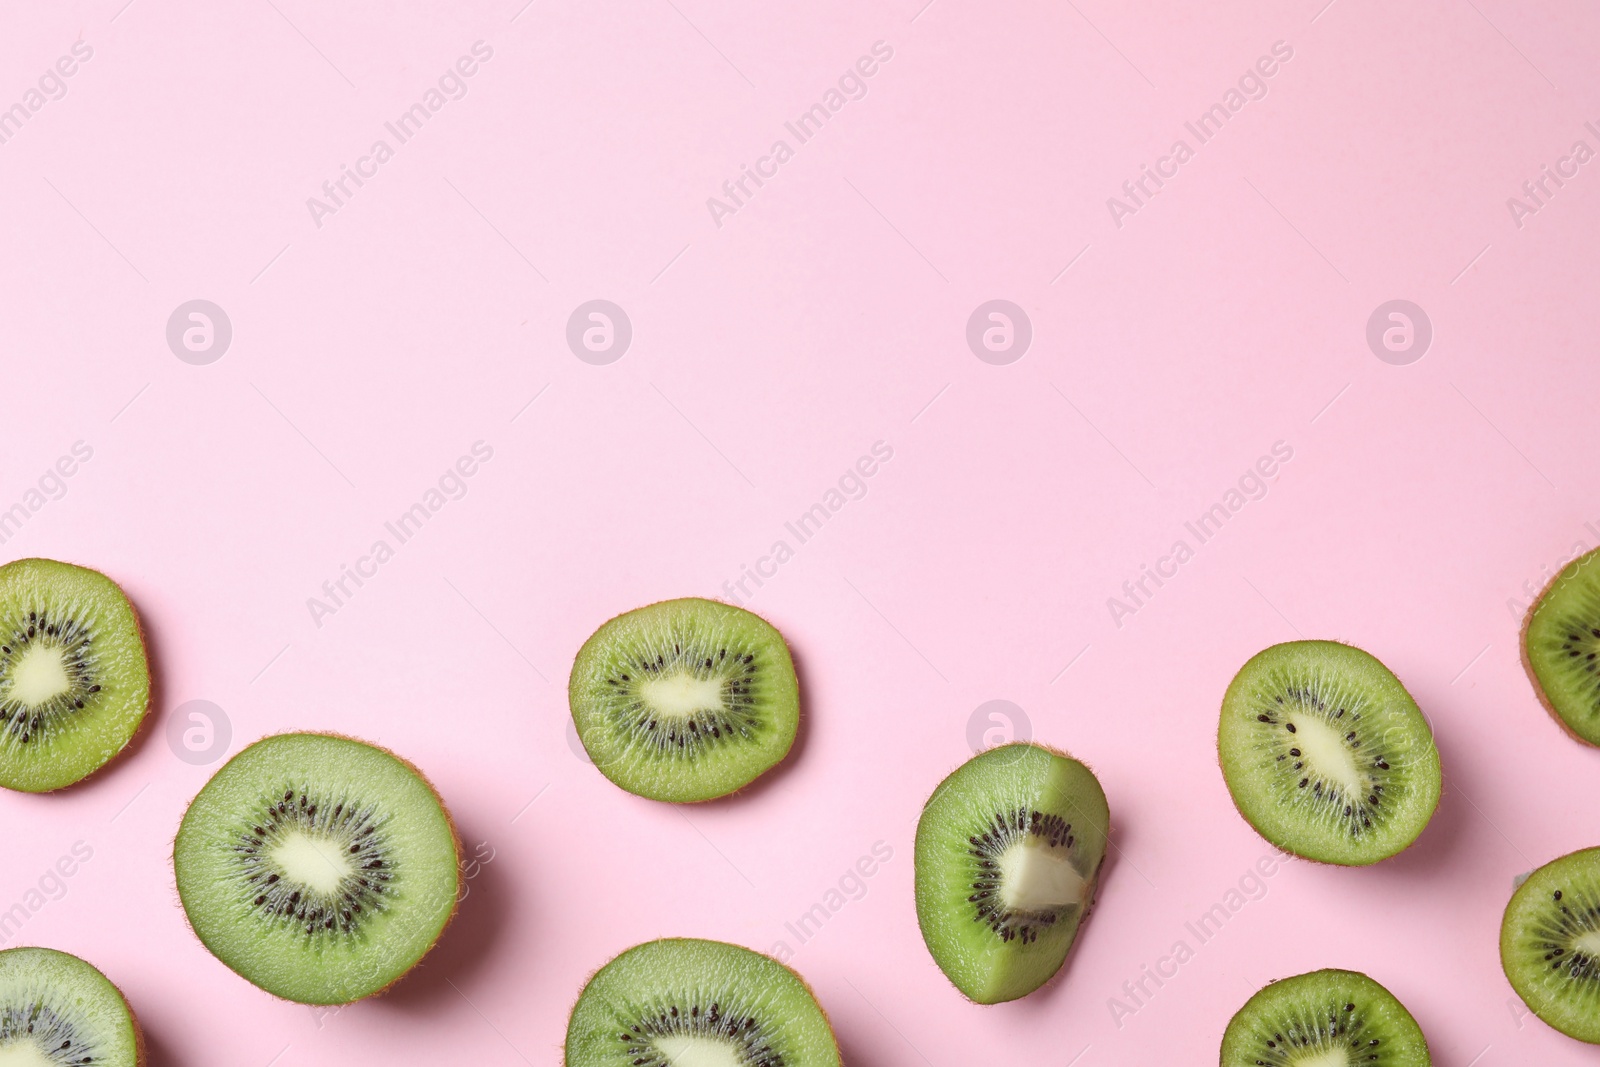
point(71, 640)
point(1003, 830)
point(284, 900)
point(47, 1026)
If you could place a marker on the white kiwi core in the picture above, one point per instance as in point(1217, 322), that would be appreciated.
point(680, 695)
point(24, 1052)
point(1325, 750)
point(1333, 1057)
point(1036, 877)
point(318, 863)
point(40, 674)
point(693, 1051)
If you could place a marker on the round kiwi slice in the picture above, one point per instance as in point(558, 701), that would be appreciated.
point(1326, 754)
point(318, 867)
point(1324, 1019)
point(1008, 850)
point(74, 681)
point(1561, 647)
point(1550, 944)
point(685, 700)
point(59, 1011)
point(682, 1002)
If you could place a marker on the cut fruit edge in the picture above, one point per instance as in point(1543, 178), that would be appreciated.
point(142, 721)
point(450, 822)
point(1527, 660)
point(1246, 803)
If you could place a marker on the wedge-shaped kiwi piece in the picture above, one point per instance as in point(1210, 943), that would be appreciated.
point(1326, 754)
point(59, 1011)
point(320, 868)
point(685, 700)
point(74, 681)
point(1550, 944)
point(681, 1002)
point(1324, 1019)
point(1008, 853)
point(1561, 647)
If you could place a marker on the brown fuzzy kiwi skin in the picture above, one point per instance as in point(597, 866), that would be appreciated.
point(797, 975)
point(144, 650)
point(1527, 662)
point(455, 837)
point(799, 725)
point(141, 1052)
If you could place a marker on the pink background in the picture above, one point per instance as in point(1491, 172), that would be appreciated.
point(768, 354)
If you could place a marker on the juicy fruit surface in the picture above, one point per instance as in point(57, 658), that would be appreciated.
point(1324, 1019)
point(1550, 944)
point(74, 681)
point(685, 700)
point(1326, 754)
point(59, 1011)
point(1008, 850)
point(320, 868)
point(689, 1003)
point(1561, 647)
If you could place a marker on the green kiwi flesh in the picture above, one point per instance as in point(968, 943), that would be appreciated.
point(682, 1002)
point(1550, 944)
point(1326, 755)
point(685, 700)
point(320, 868)
point(59, 1011)
point(1324, 1019)
point(1007, 856)
point(1561, 647)
point(74, 680)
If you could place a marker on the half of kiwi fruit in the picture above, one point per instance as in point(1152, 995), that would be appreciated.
point(1561, 647)
point(1550, 944)
point(74, 680)
point(318, 867)
point(1007, 857)
point(685, 700)
point(1326, 754)
point(1327, 1018)
point(59, 1011)
point(682, 1002)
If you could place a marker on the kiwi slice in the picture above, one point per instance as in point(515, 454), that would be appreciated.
point(682, 1002)
point(1560, 646)
point(318, 867)
point(59, 1011)
point(74, 681)
point(1324, 1019)
point(685, 700)
point(1550, 944)
point(1326, 754)
point(1008, 850)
